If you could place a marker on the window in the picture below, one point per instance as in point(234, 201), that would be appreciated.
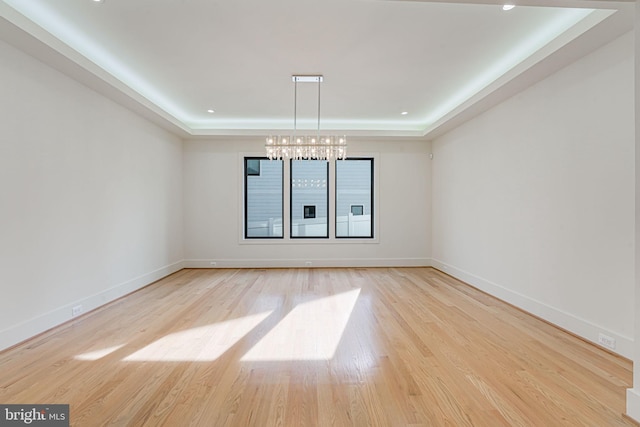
point(309, 198)
point(309, 212)
point(253, 167)
point(354, 198)
point(263, 201)
point(357, 210)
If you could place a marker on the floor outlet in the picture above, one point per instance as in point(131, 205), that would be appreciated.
point(607, 341)
point(76, 311)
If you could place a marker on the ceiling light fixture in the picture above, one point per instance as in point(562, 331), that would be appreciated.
point(508, 6)
point(298, 147)
point(210, 111)
point(404, 113)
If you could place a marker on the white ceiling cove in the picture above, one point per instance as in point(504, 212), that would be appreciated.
point(439, 62)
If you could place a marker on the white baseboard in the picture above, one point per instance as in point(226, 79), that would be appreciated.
point(30, 328)
point(581, 327)
point(302, 263)
point(633, 404)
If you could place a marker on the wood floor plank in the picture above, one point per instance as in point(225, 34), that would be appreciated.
point(316, 347)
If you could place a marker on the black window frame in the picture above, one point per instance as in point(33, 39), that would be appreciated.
point(291, 207)
point(246, 198)
point(372, 194)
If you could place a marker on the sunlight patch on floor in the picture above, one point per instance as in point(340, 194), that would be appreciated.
point(310, 331)
point(200, 344)
point(98, 354)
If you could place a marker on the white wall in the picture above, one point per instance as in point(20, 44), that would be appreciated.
point(90, 198)
point(633, 394)
point(213, 210)
point(533, 201)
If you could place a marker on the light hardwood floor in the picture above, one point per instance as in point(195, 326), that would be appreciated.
point(316, 347)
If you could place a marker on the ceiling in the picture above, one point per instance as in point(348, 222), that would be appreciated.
point(440, 62)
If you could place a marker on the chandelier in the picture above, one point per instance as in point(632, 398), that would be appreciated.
point(298, 147)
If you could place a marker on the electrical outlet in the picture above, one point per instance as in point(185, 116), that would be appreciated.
point(607, 341)
point(308, 263)
point(213, 263)
point(76, 311)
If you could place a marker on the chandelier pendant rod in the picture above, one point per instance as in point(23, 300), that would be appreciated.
point(318, 135)
point(306, 147)
point(295, 109)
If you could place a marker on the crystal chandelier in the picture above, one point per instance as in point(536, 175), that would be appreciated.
point(298, 147)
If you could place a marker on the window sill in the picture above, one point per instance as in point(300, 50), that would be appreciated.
point(310, 241)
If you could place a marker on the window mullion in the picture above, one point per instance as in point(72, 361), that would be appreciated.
point(286, 197)
point(331, 206)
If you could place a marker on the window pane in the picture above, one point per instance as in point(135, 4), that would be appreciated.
point(253, 167)
point(354, 198)
point(309, 198)
point(263, 198)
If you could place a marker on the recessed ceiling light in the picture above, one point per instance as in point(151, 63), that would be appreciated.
point(404, 113)
point(98, 1)
point(210, 111)
point(508, 6)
